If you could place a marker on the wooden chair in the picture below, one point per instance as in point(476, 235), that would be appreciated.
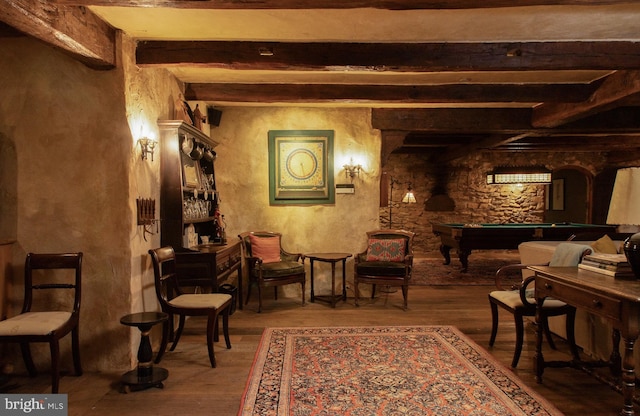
point(268, 264)
point(388, 261)
point(174, 302)
point(47, 273)
point(520, 300)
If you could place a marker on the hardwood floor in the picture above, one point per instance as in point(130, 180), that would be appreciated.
point(193, 388)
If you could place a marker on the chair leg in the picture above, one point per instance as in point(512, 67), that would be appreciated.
point(225, 326)
point(178, 333)
point(405, 290)
point(75, 347)
point(211, 322)
point(165, 340)
point(494, 322)
point(246, 302)
point(519, 338)
point(547, 331)
point(303, 289)
point(28, 360)
point(373, 291)
point(55, 365)
point(216, 337)
point(259, 299)
point(275, 292)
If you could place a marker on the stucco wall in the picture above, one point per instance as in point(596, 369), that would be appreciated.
point(71, 175)
point(68, 126)
point(243, 180)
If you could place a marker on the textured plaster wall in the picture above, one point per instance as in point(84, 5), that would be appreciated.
point(72, 151)
point(242, 177)
point(71, 176)
point(150, 95)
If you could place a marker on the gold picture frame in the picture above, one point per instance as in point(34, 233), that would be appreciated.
point(301, 167)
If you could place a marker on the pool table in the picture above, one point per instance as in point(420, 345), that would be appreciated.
point(467, 237)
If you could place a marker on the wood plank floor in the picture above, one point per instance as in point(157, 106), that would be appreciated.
point(193, 388)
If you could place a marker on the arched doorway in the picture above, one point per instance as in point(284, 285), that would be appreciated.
point(569, 196)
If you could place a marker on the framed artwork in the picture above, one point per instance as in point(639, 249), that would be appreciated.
point(558, 195)
point(301, 167)
point(190, 172)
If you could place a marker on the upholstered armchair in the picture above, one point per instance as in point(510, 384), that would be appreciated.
point(520, 300)
point(387, 261)
point(268, 264)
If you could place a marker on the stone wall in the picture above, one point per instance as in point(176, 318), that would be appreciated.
point(475, 201)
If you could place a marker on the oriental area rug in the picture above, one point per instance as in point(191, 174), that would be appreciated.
point(430, 271)
point(394, 370)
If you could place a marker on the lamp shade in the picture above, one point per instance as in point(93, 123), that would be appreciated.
point(409, 198)
point(624, 208)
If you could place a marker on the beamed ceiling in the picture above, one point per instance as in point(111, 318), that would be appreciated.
point(442, 77)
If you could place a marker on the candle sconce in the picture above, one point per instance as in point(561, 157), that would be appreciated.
point(147, 147)
point(147, 216)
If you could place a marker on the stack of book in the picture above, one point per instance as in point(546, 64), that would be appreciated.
point(610, 264)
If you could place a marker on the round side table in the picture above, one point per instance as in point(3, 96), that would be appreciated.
point(145, 375)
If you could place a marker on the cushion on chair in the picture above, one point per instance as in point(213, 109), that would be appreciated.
point(280, 269)
point(512, 299)
point(266, 248)
point(34, 323)
point(200, 300)
point(381, 268)
point(386, 249)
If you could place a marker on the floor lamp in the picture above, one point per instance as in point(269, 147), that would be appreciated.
point(409, 198)
point(624, 209)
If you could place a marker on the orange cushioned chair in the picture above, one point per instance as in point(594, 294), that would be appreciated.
point(387, 261)
point(268, 264)
point(46, 273)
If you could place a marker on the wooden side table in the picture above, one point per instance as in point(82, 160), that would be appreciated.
point(145, 375)
point(332, 258)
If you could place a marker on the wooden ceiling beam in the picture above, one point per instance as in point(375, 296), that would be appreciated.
point(616, 87)
point(498, 120)
point(453, 120)
point(332, 4)
point(74, 30)
point(392, 57)
point(456, 93)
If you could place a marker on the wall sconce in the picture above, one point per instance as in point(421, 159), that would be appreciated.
point(409, 197)
point(513, 175)
point(352, 170)
point(147, 146)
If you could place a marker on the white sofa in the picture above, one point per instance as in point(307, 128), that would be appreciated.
point(593, 334)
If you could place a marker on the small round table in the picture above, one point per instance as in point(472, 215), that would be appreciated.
point(332, 258)
point(145, 375)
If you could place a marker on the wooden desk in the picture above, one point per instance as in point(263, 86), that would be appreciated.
point(213, 261)
point(616, 300)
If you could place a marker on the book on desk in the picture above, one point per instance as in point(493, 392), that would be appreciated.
point(609, 264)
